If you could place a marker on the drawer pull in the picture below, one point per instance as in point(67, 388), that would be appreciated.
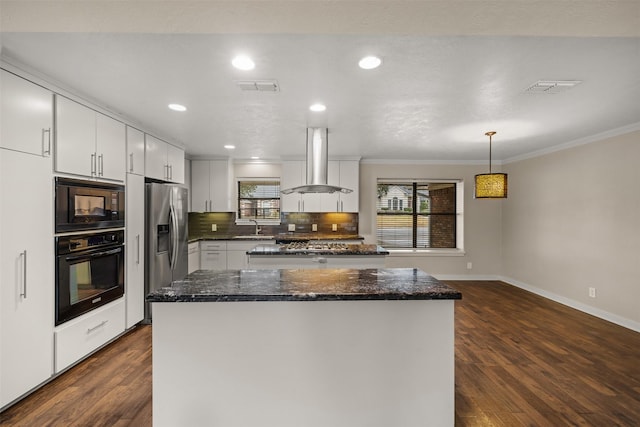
point(101, 324)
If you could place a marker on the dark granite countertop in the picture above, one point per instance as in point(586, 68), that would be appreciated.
point(305, 285)
point(353, 249)
point(280, 237)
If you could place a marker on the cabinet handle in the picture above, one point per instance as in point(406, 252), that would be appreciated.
point(166, 171)
point(138, 249)
point(48, 150)
point(24, 274)
point(341, 206)
point(298, 205)
point(101, 165)
point(337, 206)
point(93, 164)
point(170, 171)
point(99, 325)
point(130, 162)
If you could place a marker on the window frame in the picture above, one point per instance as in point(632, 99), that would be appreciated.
point(239, 198)
point(458, 250)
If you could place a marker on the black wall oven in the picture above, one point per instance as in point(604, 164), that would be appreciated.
point(88, 205)
point(89, 272)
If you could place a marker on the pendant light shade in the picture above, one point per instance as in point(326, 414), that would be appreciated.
point(491, 185)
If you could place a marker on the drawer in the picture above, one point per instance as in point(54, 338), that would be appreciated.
point(213, 246)
point(79, 337)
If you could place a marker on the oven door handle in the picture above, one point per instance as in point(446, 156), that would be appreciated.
point(94, 254)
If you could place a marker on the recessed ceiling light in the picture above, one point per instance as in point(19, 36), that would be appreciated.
point(255, 158)
point(318, 107)
point(177, 107)
point(242, 62)
point(370, 62)
point(230, 147)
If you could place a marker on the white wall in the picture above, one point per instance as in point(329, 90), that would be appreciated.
point(482, 221)
point(572, 221)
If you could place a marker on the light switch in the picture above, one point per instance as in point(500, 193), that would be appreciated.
point(314, 227)
point(292, 227)
point(334, 227)
point(214, 227)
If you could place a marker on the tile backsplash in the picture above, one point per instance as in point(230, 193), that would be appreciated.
point(345, 224)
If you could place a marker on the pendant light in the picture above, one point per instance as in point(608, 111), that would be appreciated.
point(491, 185)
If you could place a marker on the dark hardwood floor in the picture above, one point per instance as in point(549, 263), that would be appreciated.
point(521, 360)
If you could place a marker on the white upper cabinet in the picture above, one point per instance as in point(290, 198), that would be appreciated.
point(110, 147)
point(88, 143)
point(211, 186)
point(135, 151)
point(26, 110)
point(163, 161)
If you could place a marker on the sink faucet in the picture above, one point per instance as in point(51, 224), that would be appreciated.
point(258, 230)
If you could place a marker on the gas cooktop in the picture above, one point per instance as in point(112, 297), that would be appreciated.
point(311, 246)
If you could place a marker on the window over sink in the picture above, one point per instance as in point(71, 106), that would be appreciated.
point(259, 200)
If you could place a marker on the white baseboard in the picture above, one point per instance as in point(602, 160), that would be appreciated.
point(466, 277)
point(602, 314)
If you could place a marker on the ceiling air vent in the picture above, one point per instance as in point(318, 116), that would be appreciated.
point(552, 86)
point(258, 85)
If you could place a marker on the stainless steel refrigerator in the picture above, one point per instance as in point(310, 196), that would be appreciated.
point(166, 248)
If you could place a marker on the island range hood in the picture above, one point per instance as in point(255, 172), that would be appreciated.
point(317, 165)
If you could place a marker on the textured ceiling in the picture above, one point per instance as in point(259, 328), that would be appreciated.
point(440, 88)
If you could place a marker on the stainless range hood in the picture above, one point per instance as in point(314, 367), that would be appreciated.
point(317, 165)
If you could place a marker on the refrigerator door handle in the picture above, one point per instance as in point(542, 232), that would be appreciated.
point(174, 237)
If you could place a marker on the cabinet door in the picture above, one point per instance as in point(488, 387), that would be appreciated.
point(75, 141)
point(134, 290)
point(135, 151)
point(350, 178)
point(200, 196)
point(110, 148)
point(175, 161)
point(155, 158)
point(26, 273)
point(291, 177)
point(331, 201)
point(26, 111)
point(194, 257)
point(220, 186)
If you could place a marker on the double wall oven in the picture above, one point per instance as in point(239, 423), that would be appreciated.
point(89, 220)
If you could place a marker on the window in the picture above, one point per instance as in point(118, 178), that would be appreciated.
point(259, 200)
point(417, 214)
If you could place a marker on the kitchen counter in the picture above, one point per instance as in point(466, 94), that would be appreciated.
point(301, 285)
point(313, 348)
point(343, 249)
point(282, 237)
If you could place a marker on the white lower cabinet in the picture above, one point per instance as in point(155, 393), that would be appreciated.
point(134, 279)
point(79, 337)
point(237, 258)
point(26, 273)
point(194, 257)
point(213, 255)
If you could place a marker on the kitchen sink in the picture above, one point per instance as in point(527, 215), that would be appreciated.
point(254, 237)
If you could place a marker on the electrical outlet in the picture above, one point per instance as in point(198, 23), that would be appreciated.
point(592, 292)
point(292, 227)
point(469, 266)
point(334, 227)
point(214, 227)
point(314, 227)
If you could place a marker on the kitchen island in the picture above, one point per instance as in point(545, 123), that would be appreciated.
point(312, 348)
